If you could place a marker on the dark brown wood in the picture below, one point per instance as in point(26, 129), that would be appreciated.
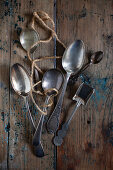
point(21, 154)
point(5, 25)
point(89, 143)
point(16, 135)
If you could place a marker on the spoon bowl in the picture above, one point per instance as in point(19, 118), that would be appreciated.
point(73, 57)
point(96, 57)
point(52, 80)
point(28, 38)
point(20, 80)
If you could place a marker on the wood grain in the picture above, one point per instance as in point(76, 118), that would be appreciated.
point(88, 144)
point(19, 150)
point(5, 25)
point(21, 154)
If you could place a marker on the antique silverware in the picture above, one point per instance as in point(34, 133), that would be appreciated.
point(94, 59)
point(21, 84)
point(28, 38)
point(82, 96)
point(72, 61)
point(51, 82)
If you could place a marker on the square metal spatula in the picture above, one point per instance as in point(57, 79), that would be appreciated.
point(82, 96)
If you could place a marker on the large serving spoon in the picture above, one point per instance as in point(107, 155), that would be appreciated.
point(72, 61)
point(51, 83)
point(21, 84)
point(95, 58)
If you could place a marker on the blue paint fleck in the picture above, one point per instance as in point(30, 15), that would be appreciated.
point(16, 42)
point(16, 25)
point(20, 18)
point(6, 3)
point(25, 57)
point(102, 82)
point(24, 148)
point(11, 157)
point(14, 51)
point(99, 96)
point(1, 85)
point(9, 11)
point(19, 29)
point(2, 116)
point(1, 48)
point(85, 79)
point(7, 128)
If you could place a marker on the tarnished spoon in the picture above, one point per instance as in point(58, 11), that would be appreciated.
point(72, 61)
point(28, 38)
point(51, 82)
point(94, 59)
point(21, 84)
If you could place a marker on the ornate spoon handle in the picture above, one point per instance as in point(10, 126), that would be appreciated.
point(53, 122)
point(62, 133)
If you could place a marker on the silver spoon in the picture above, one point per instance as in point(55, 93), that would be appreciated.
point(52, 81)
point(21, 84)
point(72, 61)
point(28, 38)
point(94, 59)
point(82, 96)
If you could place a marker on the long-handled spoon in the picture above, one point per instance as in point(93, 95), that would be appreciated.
point(94, 59)
point(82, 96)
point(51, 83)
point(72, 61)
point(21, 84)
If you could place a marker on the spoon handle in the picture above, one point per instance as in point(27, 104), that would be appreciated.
point(62, 133)
point(38, 132)
point(29, 114)
point(53, 122)
point(82, 69)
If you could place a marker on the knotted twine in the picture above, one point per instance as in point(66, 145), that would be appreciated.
point(41, 17)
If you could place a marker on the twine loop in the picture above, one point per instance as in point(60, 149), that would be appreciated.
point(40, 17)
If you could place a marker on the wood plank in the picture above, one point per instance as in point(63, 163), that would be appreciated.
point(88, 144)
point(20, 151)
point(5, 27)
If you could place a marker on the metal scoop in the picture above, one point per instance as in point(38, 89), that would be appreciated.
point(82, 96)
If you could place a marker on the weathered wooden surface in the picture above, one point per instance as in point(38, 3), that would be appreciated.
point(89, 143)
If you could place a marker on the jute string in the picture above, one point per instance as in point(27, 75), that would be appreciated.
point(40, 17)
